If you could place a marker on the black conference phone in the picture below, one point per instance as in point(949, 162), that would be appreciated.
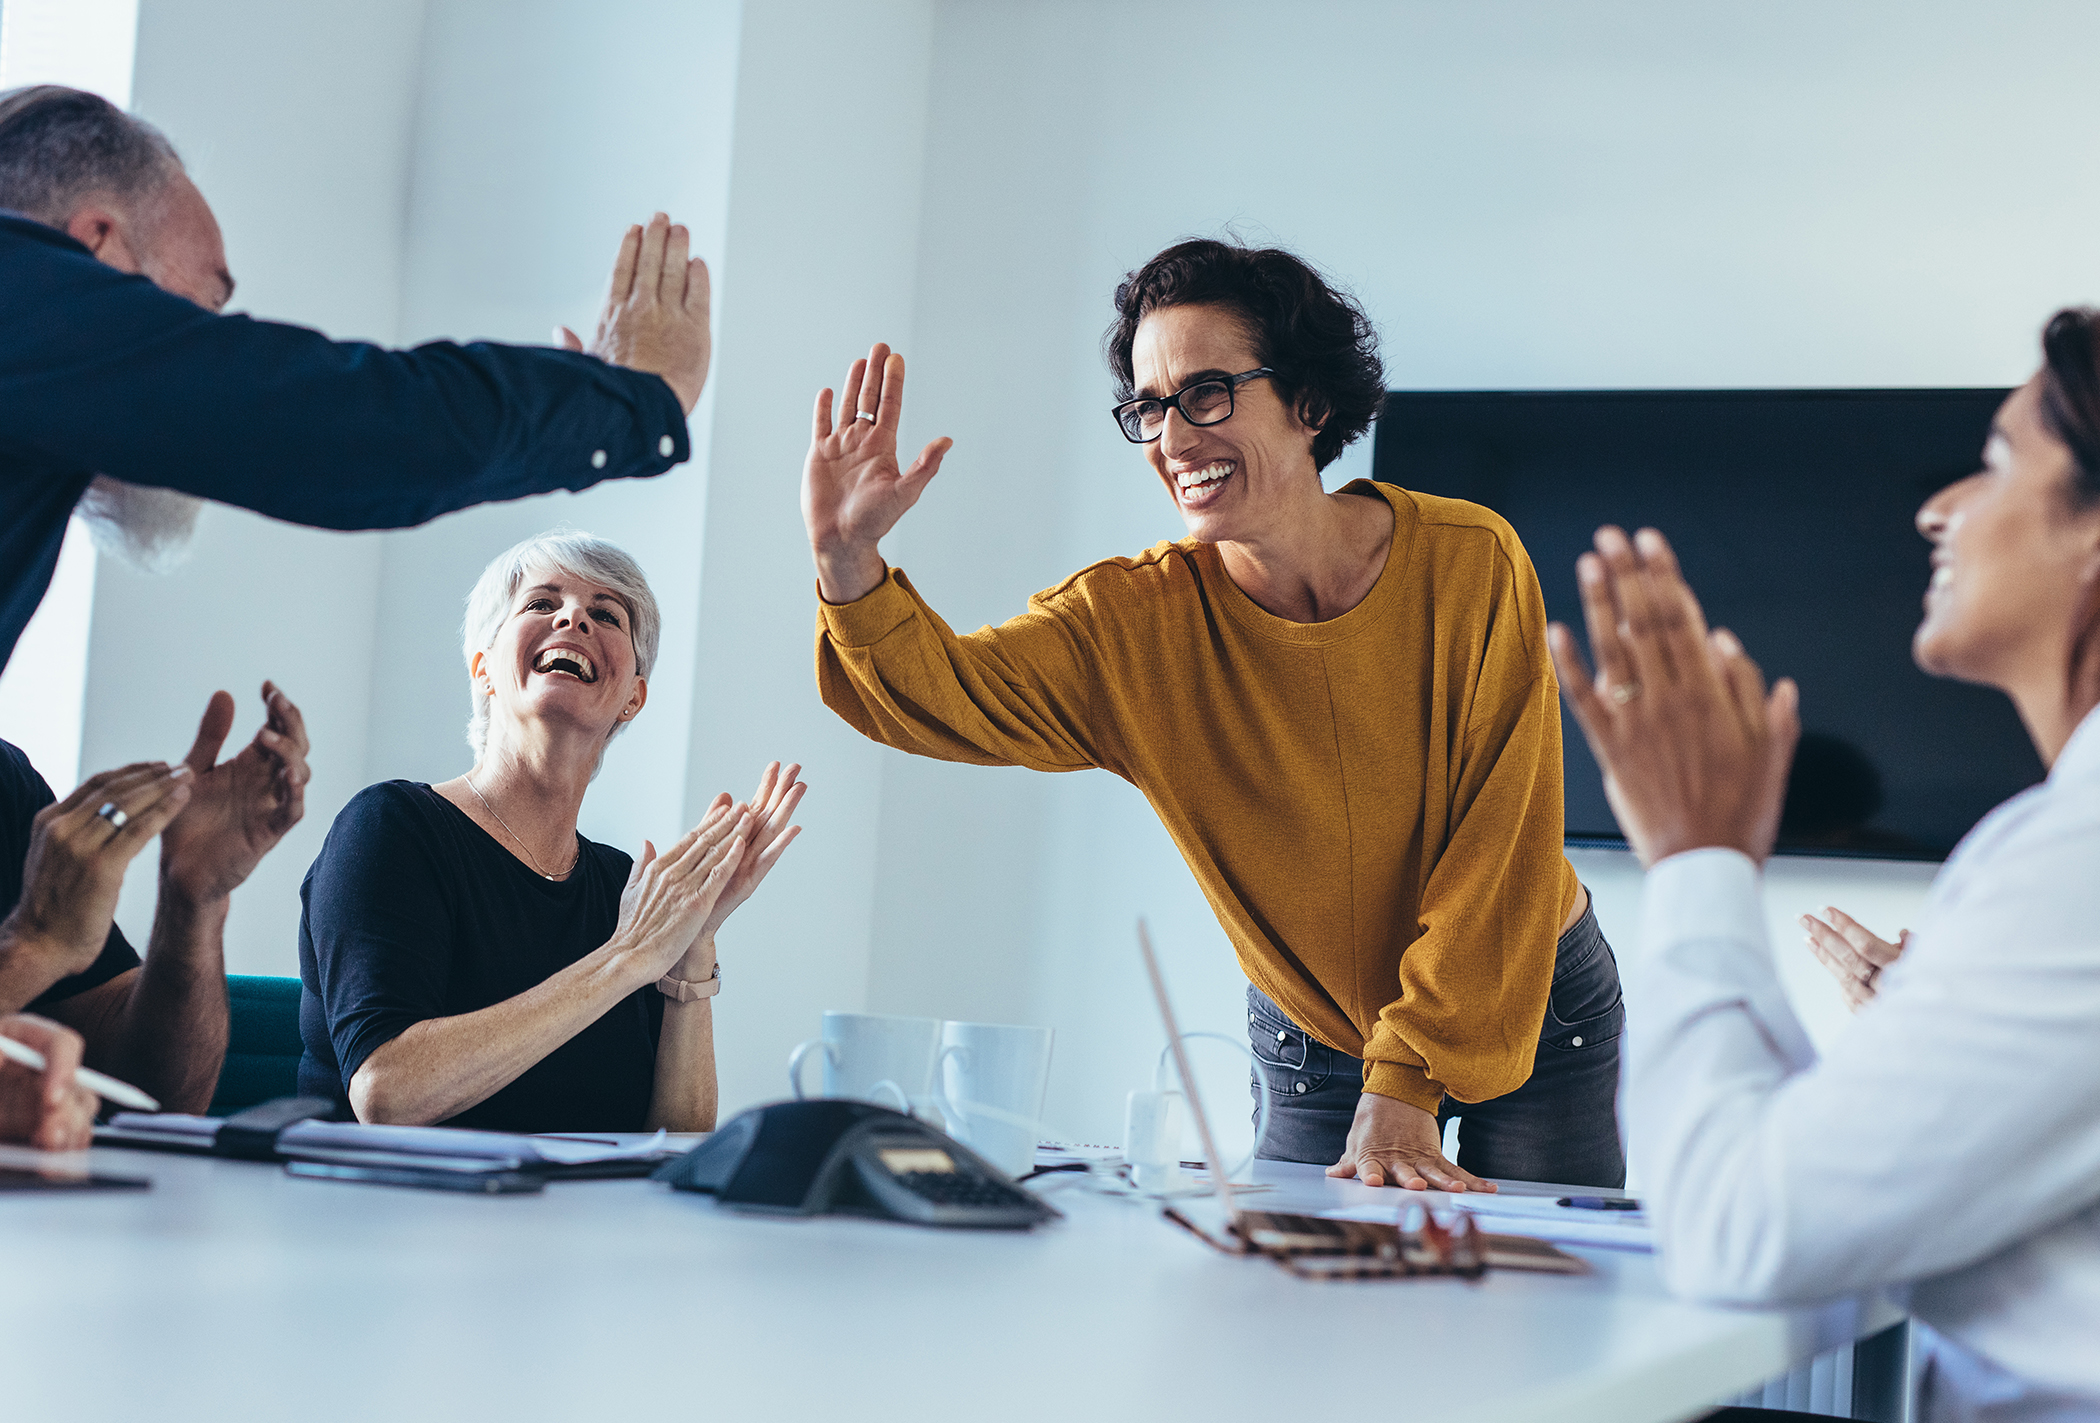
point(834, 1156)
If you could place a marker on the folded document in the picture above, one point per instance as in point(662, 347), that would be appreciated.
point(358, 1142)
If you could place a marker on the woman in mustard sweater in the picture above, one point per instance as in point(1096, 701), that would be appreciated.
point(1339, 704)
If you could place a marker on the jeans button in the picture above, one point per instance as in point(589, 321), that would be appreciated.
point(1577, 1040)
point(1282, 1036)
point(1299, 1088)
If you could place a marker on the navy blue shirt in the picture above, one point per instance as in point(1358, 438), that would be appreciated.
point(105, 373)
point(22, 794)
point(412, 911)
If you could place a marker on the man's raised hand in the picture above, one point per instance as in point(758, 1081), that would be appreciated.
point(656, 311)
point(853, 491)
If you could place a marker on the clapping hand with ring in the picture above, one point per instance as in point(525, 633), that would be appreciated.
point(216, 819)
point(79, 849)
point(1694, 751)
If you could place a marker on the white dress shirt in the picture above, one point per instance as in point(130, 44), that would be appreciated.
point(1950, 1141)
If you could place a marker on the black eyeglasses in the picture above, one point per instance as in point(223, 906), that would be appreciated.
point(1206, 402)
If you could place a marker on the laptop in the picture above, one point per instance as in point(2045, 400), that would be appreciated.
point(1314, 1247)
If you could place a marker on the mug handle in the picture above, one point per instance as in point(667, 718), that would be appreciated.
point(802, 1051)
point(953, 1118)
point(885, 1085)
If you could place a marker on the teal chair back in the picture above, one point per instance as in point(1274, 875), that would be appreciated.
point(263, 1047)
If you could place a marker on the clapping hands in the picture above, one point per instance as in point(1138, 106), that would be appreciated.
point(239, 808)
point(770, 809)
point(1853, 953)
point(674, 902)
point(853, 491)
point(1694, 751)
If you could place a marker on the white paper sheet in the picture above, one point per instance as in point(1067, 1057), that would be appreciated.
point(296, 1139)
point(1536, 1216)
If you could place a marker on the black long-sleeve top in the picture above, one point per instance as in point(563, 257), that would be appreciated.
point(104, 373)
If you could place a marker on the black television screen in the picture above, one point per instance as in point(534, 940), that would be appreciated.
point(1791, 511)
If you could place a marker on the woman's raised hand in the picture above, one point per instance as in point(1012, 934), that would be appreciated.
point(669, 897)
point(1853, 953)
point(853, 491)
point(770, 808)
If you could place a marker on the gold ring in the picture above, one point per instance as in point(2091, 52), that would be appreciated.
point(1625, 692)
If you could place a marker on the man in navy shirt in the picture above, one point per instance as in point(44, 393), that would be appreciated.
point(115, 362)
point(119, 375)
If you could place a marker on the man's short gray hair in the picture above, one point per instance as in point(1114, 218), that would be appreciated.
point(59, 147)
point(580, 555)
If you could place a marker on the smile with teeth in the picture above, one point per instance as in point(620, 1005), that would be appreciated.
point(1193, 481)
point(568, 661)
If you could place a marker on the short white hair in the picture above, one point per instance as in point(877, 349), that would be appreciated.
point(570, 551)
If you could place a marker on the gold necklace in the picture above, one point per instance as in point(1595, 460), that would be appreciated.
point(557, 879)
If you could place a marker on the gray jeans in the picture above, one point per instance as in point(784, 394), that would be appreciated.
point(1560, 1126)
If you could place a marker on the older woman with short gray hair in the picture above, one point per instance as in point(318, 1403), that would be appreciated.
point(466, 955)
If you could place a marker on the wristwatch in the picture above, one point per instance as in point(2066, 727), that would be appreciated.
point(681, 990)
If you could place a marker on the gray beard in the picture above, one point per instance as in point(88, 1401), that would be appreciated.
point(149, 529)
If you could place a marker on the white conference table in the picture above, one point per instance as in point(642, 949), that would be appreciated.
point(232, 1291)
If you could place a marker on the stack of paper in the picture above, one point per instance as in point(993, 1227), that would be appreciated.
point(358, 1143)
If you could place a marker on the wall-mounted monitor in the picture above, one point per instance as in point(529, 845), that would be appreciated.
point(1792, 512)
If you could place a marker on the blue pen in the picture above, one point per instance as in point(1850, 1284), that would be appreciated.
point(1599, 1203)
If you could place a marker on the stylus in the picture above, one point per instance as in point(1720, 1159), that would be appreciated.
point(108, 1088)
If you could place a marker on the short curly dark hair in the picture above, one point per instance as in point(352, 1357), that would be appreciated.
point(1312, 334)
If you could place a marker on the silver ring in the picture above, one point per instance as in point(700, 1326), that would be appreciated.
point(1625, 692)
point(863, 415)
point(113, 815)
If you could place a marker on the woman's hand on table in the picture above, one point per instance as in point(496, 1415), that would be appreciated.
point(1394, 1143)
point(668, 897)
point(1854, 954)
point(853, 490)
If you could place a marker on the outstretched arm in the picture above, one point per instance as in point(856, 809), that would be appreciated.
point(103, 371)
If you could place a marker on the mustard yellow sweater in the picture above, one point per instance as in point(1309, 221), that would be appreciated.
point(1372, 804)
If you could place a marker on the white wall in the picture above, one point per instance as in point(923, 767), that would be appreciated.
point(1530, 194)
point(542, 131)
point(824, 202)
point(294, 120)
point(88, 44)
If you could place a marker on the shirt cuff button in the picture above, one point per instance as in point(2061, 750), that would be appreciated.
point(597, 459)
point(665, 446)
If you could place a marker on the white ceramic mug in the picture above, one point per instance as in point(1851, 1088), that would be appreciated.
point(992, 1080)
point(872, 1057)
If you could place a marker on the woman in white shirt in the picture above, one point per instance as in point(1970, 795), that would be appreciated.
point(1949, 1143)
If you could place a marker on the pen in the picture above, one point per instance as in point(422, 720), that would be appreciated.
point(108, 1088)
point(1600, 1203)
